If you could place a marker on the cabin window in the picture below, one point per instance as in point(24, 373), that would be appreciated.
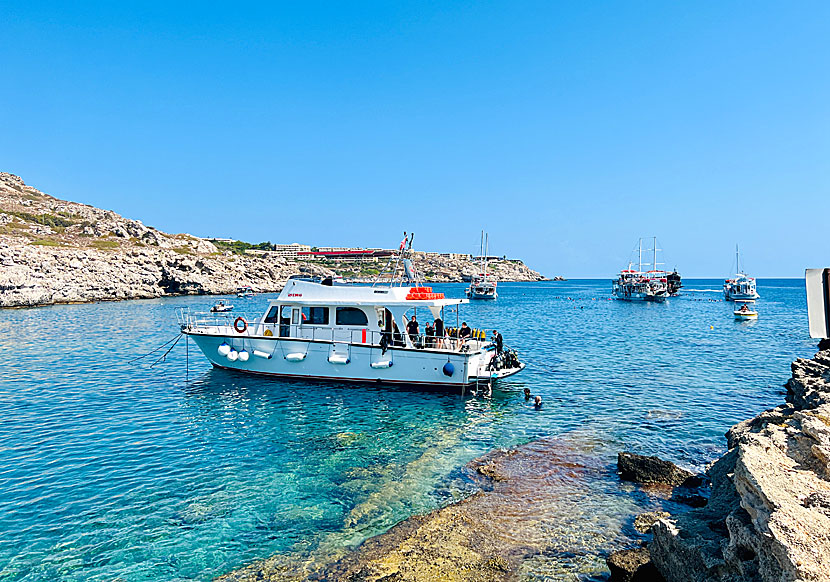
point(273, 315)
point(351, 316)
point(315, 315)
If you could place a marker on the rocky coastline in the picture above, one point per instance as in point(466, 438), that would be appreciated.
point(768, 517)
point(55, 251)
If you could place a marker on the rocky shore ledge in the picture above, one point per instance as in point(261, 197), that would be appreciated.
point(768, 517)
point(55, 251)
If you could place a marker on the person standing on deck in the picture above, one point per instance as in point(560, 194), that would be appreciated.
point(439, 332)
point(412, 330)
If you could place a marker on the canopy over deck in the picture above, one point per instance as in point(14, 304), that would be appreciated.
point(300, 292)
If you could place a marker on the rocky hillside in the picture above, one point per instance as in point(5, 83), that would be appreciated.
point(768, 517)
point(55, 251)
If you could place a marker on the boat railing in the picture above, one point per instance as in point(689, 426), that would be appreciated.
point(227, 324)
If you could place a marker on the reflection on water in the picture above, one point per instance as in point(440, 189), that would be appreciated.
point(109, 470)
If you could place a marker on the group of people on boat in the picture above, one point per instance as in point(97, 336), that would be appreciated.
point(437, 336)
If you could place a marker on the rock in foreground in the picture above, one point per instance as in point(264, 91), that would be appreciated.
point(652, 471)
point(768, 518)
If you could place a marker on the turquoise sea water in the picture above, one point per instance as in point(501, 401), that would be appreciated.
point(113, 471)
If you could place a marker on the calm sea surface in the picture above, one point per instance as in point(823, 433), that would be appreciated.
point(114, 471)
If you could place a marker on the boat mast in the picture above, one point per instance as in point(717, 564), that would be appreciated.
point(654, 266)
point(640, 256)
point(737, 260)
point(486, 252)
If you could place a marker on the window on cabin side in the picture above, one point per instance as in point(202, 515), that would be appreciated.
point(315, 315)
point(273, 315)
point(351, 316)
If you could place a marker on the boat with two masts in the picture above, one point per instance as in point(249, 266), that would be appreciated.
point(317, 329)
point(483, 284)
point(740, 287)
point(638, 285)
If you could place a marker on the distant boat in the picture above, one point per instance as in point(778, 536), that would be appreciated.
point(482, 284)
point(639, 285)
point(741, 287)
point(245, 291)
point(221, 307)
point(745, 313)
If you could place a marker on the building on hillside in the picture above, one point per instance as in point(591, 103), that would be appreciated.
point(345, 254)
point(290, 251)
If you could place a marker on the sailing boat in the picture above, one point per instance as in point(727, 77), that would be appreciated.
point(482, 284)
point(639, 285)
point(741, 287)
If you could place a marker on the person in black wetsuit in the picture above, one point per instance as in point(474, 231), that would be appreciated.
point(464, 334)
point(439, 332)
point(412, 330)
point(499, 342)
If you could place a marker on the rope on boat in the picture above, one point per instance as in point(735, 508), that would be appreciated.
point(164, 356)
point(161, 347)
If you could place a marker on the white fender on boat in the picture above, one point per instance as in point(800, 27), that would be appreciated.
point(244, 355)
point(224, 349)
point(295, 357)
point(260, 354)
point(233, 355)
point(382, 364)
point(338, 359)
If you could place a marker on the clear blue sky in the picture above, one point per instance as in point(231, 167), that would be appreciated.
point(566, 129)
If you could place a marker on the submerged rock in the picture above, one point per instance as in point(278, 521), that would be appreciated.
point(653, 470)
point(527, 493)
point(632, 566)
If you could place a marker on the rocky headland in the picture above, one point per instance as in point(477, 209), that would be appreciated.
point(55, 251)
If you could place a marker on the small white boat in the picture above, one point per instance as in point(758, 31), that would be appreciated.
point(745, 313)
point(741, 287)
point(221, 307)
point(245, 292)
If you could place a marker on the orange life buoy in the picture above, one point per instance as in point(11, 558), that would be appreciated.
point(240, 328)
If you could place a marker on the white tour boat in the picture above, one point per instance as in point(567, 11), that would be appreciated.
point(639, 285)
point(319, 330)
point(483, 284)
point(245, 291)
point(741, 287)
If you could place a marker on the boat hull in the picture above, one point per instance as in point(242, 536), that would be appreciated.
point(490, 296)
point(745, 297)
point(640, 297)
point(358, 363)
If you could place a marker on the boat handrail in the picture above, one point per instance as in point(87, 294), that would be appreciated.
point(223, 324)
